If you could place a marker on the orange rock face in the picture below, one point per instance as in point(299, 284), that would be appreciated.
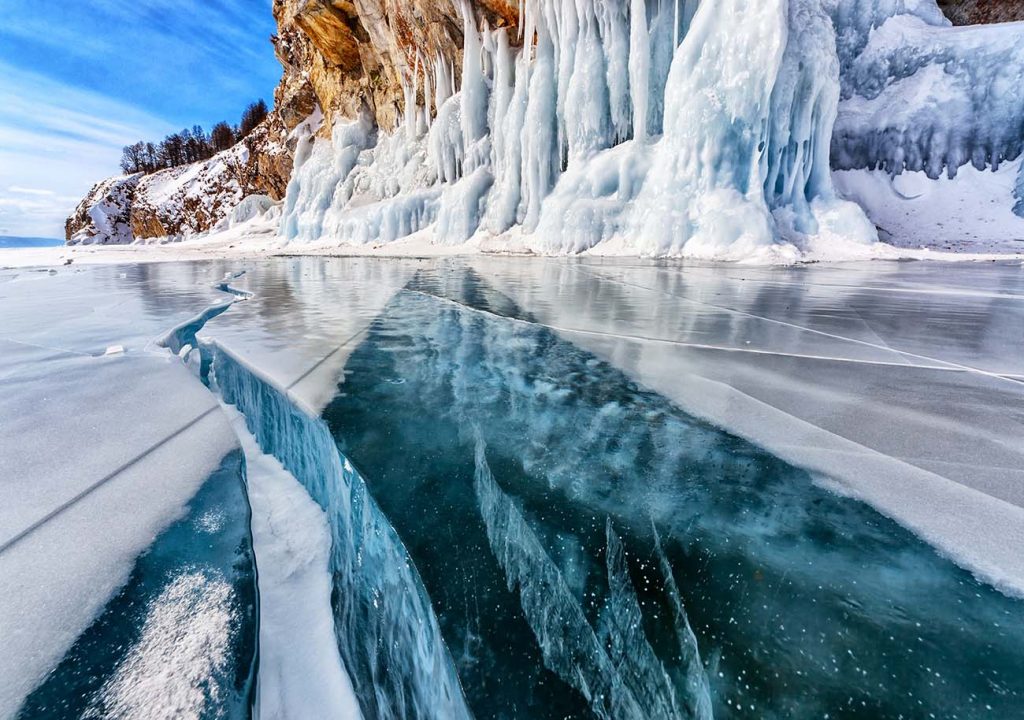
point(355, 53)
point(976, 12)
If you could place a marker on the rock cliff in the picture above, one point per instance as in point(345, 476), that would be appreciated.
point(974, 12)
point(351, 54)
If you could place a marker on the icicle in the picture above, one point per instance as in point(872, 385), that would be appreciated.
point(529, 136)
point(442, 83)
point(613, 23)
point(504, 201)
point(410, 89)
point(675, 24)
point(474, 87)
point(501, 96)
point(540, 148)
point(1018, 193)
point(639, 66)
point(587, 112)
point(427, 118)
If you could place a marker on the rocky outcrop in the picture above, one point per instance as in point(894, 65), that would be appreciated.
point(104, 215)
point(363, 53)
point(182, 201)
point(975, 12)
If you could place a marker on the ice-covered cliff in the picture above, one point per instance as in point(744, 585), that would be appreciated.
point(651, 127)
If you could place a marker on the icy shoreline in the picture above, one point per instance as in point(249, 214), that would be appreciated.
point(256, 241)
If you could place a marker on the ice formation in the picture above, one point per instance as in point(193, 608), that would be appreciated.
point(935, 108)
point(1018, 193)
point(386, 631)
point(920, 95)
point(614, 668)
point(658, 127)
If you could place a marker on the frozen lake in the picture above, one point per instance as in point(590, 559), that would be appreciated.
point(505, 487)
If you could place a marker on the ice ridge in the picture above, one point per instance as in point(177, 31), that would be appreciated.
point(615, 668)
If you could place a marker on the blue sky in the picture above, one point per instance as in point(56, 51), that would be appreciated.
point(79, 80)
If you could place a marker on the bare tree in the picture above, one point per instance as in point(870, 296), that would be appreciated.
point(190, 145)
point(253, 116)
point(221, 137)
point(133, 158)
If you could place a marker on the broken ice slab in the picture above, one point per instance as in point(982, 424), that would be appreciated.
point(124, 531)
point(303, 316)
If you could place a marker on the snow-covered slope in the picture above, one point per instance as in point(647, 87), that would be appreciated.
point(179, 202)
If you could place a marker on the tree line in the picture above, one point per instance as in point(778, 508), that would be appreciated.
point(190, 145)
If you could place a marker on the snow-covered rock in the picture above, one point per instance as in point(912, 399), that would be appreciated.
point(179, 202)
point(104, 215)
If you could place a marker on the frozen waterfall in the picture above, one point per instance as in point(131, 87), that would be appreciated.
point(659, 128)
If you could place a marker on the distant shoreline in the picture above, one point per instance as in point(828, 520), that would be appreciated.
point(16, 241)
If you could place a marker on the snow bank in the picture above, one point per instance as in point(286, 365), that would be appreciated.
point(971, 212)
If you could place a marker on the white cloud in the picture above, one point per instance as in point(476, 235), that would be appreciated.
point(56, 141)
point(29, 191)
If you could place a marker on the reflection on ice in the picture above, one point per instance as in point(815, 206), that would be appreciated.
point(802, 602)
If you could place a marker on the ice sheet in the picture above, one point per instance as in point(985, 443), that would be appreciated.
point(99, 453)
point(899, 381)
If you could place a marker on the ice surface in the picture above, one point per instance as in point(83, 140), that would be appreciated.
point(538, 487)
point(799, 597)
point(617, 671)
point(303, 319)
point(179, 639)
point(819, 369)
point(93, 471)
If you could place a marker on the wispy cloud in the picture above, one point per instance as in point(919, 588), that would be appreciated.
point(29, 191)
point(56, 141)
point(80, 80)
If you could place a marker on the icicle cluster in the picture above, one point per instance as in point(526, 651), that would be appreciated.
point(920, 95)
point(657, 127)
